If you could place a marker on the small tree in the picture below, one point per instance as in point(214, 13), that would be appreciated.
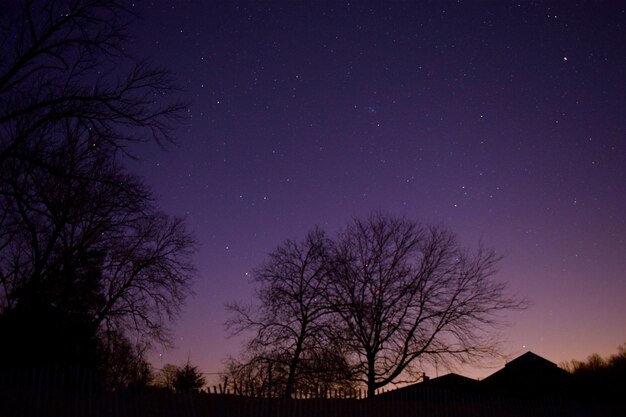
point(188, 378)
point(321, 371)
point(124, 363)
point(166, 376)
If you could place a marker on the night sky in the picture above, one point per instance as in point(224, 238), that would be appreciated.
point(505, 121)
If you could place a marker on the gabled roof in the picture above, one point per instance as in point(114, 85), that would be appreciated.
point(527, 363)
point(530, 359)
point(528, 374)
point(451, 380)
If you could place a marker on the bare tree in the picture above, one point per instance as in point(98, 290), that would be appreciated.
point(87, 244)
point(166, 377)
point(125, 362)
point(322, 371)
point(290, 324)
point(84, 253)
point(406, 293)
point(60, 61)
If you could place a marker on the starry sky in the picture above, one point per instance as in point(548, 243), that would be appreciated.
point(505, 121)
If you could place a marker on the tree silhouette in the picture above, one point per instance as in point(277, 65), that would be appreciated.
point(166, 376)
point(598, 377)
point(125, 362)
point(60, 62)
point(89, 244)
point(183, 378)
point(188, 378)
point(406, 293)
point(291, 324)
point(84, 253)
point(180, 378)
point(372, 306)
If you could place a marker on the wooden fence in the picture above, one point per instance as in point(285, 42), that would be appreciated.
point(75, 393)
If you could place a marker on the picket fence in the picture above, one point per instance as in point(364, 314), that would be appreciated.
point(77, 393)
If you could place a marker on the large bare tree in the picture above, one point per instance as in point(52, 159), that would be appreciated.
point(84, 252)
point(290, 324)
point(406, 293)
point(86, 245)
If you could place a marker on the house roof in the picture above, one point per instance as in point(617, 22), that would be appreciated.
point(451, 380)
point(532, 359)
point(529, 362)
point(448, 382)
point(528, 374)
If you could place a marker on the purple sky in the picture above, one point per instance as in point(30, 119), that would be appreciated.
point(504, 122)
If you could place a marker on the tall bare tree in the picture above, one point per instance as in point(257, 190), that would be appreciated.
point(290, 325)
point(406, 293)
point(84, 253)
point(87, 245)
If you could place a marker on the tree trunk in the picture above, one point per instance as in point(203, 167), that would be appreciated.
point(293, 366)
point(371, 379)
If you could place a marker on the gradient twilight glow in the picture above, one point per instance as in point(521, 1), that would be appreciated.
point(504, 120)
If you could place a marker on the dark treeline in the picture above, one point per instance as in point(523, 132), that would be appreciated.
point(91, 271)
point(598, 377)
